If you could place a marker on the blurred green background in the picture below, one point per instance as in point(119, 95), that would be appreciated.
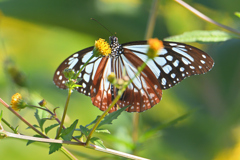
point(37, 35)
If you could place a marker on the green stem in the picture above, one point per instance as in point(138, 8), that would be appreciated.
point(103, 115)
point(68, 154)
point(152, 20)
point(120, 92)
point(9, 125)
point(22, 119)
point(64, 113)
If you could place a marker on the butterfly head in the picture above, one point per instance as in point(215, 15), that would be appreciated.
point(115, 46)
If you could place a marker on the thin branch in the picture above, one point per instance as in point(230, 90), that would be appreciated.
point(59, 122)
point(204, 17)
point(24, 120)
point(114, 152)
point(152, 20)
point(64, 113)
point(48, 140)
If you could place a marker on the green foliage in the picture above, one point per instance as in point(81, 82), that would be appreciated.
point(1, 114)
point(40, 115)
point(54, 147)
point(237, 14)
point(97, 141)
point(154, 131)
point(30, 141)
point(202, 36)
point(68, 132)
point(110, 117)
point(47, 129)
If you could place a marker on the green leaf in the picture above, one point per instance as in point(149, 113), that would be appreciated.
point(102, 131)
point(39, 116)
point(202, 36)
point(16, 129)
point(152, 132)
point(98, 142)
point(1, 114)
point(111, 116)
point(30, 141)
point(54, 147)
point(47, 129)
point(68, 132)
point(36, 126)
point(84, 130)
point(93, 122)
point(237, 14)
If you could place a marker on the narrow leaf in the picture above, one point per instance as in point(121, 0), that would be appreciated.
point(98, 142)
point(237, 14)
point(202, 36)
point(36, 126)
point(68, 132)
point(1, 114)
point(93, 122)
point(111, 116)
point(30, 141)
point(54, 147)
point(150, 133)
point(102, 131)
point(50, 127)
point(39, 116)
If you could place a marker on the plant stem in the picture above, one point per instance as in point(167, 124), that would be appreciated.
point(68, 154)
point(114, 152)
point(204, 17)
point(103, 115)
point(152, 20)
point(135, 127)
point(9, 125)
point(64, 113)
point(68, 98)
point(21, 118)
point(149, 33)
point(76, 76)
point(65, 151)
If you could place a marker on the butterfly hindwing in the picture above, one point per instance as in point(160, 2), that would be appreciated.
point(144, 92)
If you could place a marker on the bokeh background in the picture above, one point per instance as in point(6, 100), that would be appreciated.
point(37, 35)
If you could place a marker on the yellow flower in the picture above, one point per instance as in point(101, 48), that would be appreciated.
point(101, 47)
point(154, 46)
point(17, 102)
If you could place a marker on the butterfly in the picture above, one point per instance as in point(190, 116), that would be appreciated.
point(174, 62)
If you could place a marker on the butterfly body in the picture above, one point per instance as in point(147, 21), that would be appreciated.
point(173, 64)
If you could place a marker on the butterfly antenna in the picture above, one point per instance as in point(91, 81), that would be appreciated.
point(102, 26)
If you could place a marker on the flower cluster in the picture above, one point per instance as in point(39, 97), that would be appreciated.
point(17, 102)
point(101, 48)
point(118, 83)
point(154, 46)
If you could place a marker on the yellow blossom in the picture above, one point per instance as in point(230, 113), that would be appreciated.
point(17, 102)
point(154, 46)
point(101, 47)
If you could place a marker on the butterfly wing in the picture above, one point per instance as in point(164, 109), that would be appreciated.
point(175, 61)
point(75, 62)
point(93, 77)
point(145, 91)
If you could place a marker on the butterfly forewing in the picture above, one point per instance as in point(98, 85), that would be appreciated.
point(175, 61)
point(75, 62)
